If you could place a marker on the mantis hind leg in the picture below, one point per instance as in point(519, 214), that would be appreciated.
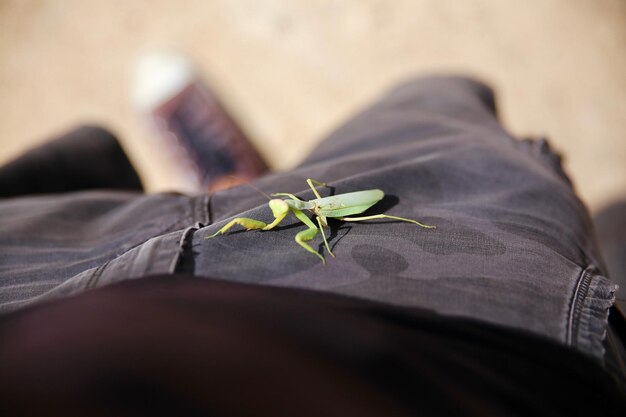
point(385, 216)
point(305, 236)
point(249, 224)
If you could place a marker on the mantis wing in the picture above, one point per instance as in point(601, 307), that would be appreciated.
point(347, 204)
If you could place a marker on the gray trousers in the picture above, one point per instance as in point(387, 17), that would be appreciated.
point(513, 244)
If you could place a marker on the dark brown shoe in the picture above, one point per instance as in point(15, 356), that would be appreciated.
point(203, 138)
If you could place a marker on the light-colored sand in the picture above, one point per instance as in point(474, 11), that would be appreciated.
point(292, 70)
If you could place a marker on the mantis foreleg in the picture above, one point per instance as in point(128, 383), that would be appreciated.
point(308, 234)
point(279, 209)
point(305, 236)
point(384, 216)
point(249, 224)
point(286, 195)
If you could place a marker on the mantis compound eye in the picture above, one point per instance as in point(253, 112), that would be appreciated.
point(279, 207)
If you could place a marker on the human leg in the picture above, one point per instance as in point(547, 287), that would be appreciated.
point(512, 246)
point(211, 347)
point(86, 157)
point(72, 206)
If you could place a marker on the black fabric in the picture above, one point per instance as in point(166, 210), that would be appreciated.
point(87, 157)
point(177, 345)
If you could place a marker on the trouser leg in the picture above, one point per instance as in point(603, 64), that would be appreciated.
point(513, 243)
point(415, 110)
point(84, 158)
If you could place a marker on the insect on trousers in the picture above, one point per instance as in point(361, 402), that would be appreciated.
point(512, 245)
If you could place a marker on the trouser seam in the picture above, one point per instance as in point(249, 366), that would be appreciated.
point(183, 242)
point(580, 293)
point(93, 279)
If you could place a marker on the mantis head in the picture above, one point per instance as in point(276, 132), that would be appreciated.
point(279, 207)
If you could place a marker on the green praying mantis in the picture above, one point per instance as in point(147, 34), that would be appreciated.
point(335, 207)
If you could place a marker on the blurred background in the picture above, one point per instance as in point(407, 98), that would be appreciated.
point(292, 70)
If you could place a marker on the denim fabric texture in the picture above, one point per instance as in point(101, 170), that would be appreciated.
point(62, 244)
point(513, 245)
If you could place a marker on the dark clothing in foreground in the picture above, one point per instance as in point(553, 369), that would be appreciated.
point(512, 278)
point(180, 346)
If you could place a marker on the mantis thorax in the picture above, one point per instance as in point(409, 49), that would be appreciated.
point(279, 207)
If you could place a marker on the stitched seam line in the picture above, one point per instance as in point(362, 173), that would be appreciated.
point(207, 209)
point(182, 244)
point(95, 277)
point(580, 294)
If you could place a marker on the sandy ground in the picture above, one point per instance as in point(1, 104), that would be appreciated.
point(292, 70)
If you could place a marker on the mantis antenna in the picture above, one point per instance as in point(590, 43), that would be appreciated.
point(252, 186)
